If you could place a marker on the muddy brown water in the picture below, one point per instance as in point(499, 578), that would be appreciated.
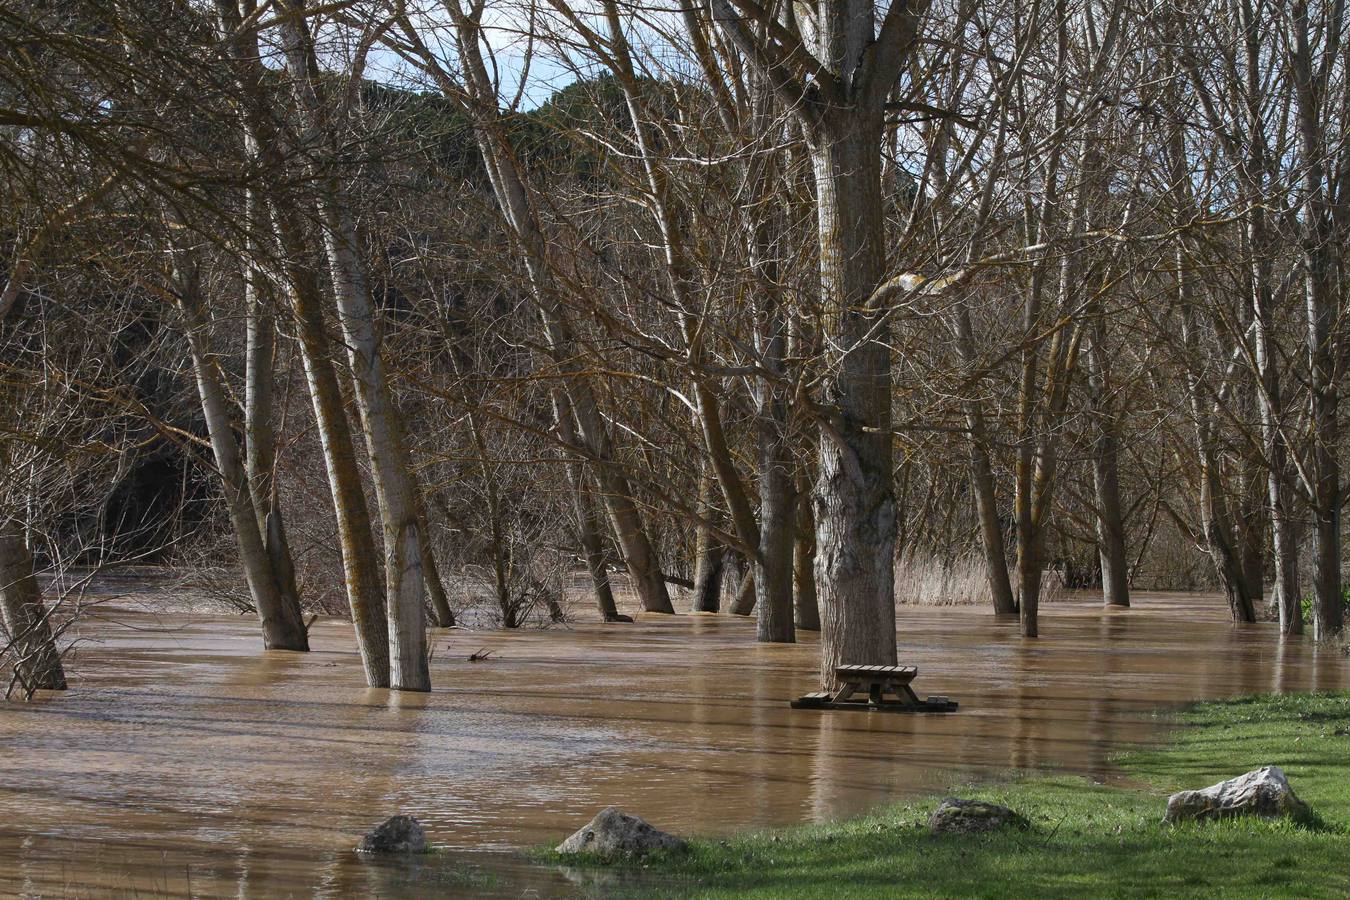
point(185, 761)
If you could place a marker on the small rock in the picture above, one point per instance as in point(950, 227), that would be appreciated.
point(1264, 792)
point(397, 834)
point(615, 833)
point(957, 816)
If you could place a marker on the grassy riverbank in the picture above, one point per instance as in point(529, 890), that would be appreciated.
point(1085, 839)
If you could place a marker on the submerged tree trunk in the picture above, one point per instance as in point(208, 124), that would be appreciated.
point(743, 603)
point(982, 483)
point(1329, 604)
point(806, 603)
point(394, 488)
point(589, 526)
point(260, 442)
point(272, 591)
point(734, 492)
point(1251, 529)
point(28, 633)
point(593, 549)
point(442, 615)
point(364, 592)
point(1323, 191)
point(1110, 523)
point(854, 504)
point(1278, 475)
point(709, 554)
point(1106, 479)
point(711, 562)
point(1216, 528)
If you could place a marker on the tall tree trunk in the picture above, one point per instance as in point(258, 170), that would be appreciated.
point(709, 554)
point(982, 482)
point(260, 442)
point(365, 595)
point(777, 482)
point(778, 519)
point(278, 608)
point(1328, 608)
point(1321, 252)
point(1277, 463)
point(442, 615)
point(1216, 527)
point(1035, 414)
point(1106, 478)
point(364, 592)
point(390, 464)
point(1273, 439)
point(394, 486)
point(28, 633)
point(589, 527)
point(854, 503)
point(804, 562)
point(771, 559)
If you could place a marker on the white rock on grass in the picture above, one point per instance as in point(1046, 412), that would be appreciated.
point(615, 833)
point(1264, 792)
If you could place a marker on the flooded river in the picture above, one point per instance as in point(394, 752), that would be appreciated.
point(186, 761)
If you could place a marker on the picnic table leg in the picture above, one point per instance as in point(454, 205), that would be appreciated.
point(902, 693)
point(874, 694)
point(845, 691)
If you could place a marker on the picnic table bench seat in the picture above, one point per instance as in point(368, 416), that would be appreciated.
point(866, 687)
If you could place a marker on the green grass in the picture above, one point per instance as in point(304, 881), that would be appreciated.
point(1085, 839)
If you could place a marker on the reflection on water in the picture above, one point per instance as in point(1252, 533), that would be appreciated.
point(185, 760)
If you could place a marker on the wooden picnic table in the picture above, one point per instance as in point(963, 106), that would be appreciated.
point(874, 683)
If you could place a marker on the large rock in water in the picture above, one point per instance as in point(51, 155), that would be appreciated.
point(397, 834)
point(1264, 792)
point(957, 816)
point(615, 833)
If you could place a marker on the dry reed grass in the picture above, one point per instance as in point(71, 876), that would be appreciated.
point(924, 579)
